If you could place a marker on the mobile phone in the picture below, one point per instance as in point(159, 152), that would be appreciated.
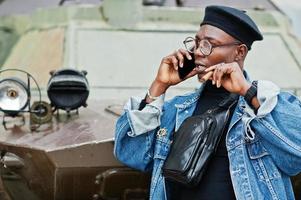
point(188, 66)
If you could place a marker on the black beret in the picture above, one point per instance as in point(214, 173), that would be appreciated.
point(234, 22)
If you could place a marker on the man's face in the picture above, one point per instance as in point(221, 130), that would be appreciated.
point(215, 36)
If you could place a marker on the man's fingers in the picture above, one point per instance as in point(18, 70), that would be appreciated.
point(221, 71)
point(206, 76)
point(216, 72)
point(213, 67)
point(180, 57)
point(214, 76)
point(186, 53)
point(175, 62)
point(219, 74)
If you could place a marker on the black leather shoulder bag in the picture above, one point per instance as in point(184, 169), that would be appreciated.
point(195, 142)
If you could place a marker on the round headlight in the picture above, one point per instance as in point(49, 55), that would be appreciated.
point(68, 89)
point(14, 95)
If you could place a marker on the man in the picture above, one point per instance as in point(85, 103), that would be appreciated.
point(260, 148)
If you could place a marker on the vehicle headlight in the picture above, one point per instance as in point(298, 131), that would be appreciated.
point(14, 96)
point(68, 89)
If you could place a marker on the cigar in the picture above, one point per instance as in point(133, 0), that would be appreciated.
point(206, 76)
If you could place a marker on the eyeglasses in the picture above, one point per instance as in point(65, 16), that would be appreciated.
point(191, 44)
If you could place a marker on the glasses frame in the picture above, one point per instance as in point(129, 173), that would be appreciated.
point(212, 46)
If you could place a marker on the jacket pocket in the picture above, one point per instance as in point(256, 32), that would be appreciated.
point(162, 147)
point(256, 150)
point(262, 161)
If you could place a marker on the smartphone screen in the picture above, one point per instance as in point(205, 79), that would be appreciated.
point(188, 66)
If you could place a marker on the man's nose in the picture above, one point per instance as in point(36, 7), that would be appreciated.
point(198, 53)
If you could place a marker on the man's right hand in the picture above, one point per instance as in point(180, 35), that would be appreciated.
point(168, 73)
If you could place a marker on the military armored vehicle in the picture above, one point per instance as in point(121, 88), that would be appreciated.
point(119, 44)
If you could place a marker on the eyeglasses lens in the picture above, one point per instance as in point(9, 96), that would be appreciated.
point(190, 44)
point(205, 47)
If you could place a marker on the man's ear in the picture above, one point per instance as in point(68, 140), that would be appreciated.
point(241, 52)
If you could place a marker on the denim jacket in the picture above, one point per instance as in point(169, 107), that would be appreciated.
point(264, 149)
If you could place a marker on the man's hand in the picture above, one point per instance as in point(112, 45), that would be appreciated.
point(168, 74)
point(168, 71)
point(230, 76)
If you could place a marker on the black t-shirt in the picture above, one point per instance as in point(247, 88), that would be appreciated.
point(216, 183)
